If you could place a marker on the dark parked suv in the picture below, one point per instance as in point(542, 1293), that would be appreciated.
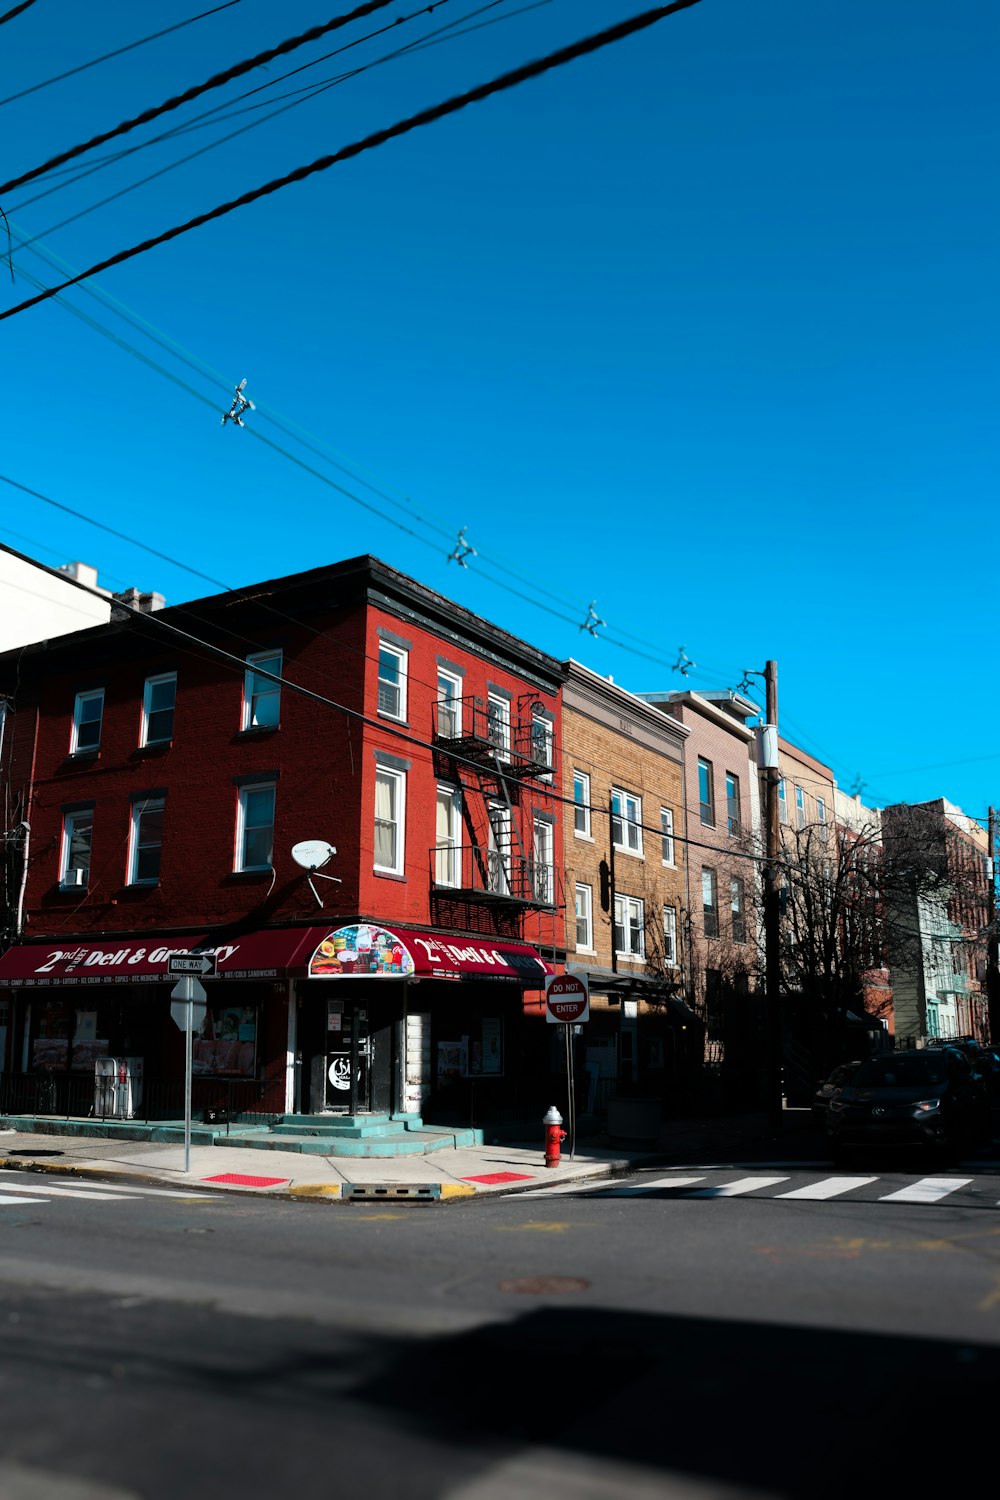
point(911, 1098)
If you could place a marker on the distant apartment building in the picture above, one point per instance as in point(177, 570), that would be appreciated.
point(936, 920)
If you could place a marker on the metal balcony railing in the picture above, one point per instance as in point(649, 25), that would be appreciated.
point(523, 747)
point(482, 874)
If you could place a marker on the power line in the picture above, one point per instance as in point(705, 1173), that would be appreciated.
point(423, 117)
point(106, 57)
point(216, 81)
point(24, 5)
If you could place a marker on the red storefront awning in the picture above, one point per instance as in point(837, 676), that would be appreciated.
point(363, 950)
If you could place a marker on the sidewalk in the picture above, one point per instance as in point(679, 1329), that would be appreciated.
point(463, 1173)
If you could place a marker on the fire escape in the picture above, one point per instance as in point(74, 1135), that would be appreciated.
point(487, 748)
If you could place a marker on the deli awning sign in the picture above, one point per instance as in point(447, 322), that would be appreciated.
point(567, 998)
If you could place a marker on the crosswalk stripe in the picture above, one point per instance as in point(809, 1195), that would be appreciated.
point(927, 1190)
point(639, 1190)
point(8, 1202)
point(54, 1191)
point(113, 1190)
point(732, 1189)
point(829, 1187)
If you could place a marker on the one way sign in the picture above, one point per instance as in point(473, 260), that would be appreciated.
point(201, 964)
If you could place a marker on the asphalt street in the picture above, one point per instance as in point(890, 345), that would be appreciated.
point(651, 1337)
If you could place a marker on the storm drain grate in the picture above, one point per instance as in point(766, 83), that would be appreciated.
point(383, 1190)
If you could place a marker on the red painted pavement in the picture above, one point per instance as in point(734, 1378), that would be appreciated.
point(242, 1181)
point(490, 1178)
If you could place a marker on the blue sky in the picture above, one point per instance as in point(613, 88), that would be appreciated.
point(703, 327)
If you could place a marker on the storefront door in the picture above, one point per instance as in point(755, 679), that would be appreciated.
point(348, 1058)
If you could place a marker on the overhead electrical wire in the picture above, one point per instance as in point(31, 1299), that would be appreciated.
point(218, 80)
point(16, 11)
point(118, 51)
point(220, 113)
point(377, 138)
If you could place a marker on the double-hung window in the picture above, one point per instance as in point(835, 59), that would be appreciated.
point(88, 712)
point(77, 841)
point(391, 681)
point(449, 706)
point(670, 937)
point(585, 918)
point(706, 791)
point(581, 804)
point(390, 813)
point(630, 927)
point(735, 822)
point(262, 696)
point(255, 826)
point(800, 808)
point(626, 821)
point(666, 835)
point(498, 849)
point(710, 901)
point(824, 827)
point(541, 745)
point(447, 851)
point(782, 800)
point(145, 840)
point(158, 699)
point(498, 721)
point(542, 872)
point(737, 898)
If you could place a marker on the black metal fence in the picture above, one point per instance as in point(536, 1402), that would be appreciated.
point(217, 1101)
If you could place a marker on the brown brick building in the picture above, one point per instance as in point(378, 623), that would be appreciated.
point(626, 886)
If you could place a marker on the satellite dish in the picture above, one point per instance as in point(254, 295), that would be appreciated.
point(313, 854)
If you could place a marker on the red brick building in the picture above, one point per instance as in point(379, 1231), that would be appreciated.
point(158, 774)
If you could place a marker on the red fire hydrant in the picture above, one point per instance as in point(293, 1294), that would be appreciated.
point(554, 1136)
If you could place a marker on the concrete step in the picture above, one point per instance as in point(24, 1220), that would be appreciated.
point(368, 1118)
point(340, 1130)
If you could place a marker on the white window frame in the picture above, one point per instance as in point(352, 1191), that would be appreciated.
point(734, 825)
point(670, 937)
point(738, 905)
point(782, 800)
point(582, 779)
point(666, 836)
point(447, 849)
point(147, 697)
point(585, 914)
point(824, 827)
point(397, 779)
point(543, 849)
point(710, 882)
point(800, 808)
point(498, 717)
point(140, 808)
point(70, 820)
point(401, 658)
point(634, 928)
point(547, 739)
point(453, 706)
point(270, 661)
point(240, 862)
point(629, 820)
point(704, 764)
point(75, 748)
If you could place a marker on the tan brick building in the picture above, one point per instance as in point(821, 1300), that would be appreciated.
point(722, 823)
point(624, 760)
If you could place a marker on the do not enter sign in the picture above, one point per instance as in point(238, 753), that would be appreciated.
point(567, 998)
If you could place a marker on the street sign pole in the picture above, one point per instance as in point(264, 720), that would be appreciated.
point(571, 1086)
point(186, 994)
point(188, 1070)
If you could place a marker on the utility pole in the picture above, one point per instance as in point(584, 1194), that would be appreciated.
point(772, 933)
point(992, 937)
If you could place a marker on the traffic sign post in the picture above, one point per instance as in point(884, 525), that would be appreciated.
point(187, 1006)
point(567, 1002)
